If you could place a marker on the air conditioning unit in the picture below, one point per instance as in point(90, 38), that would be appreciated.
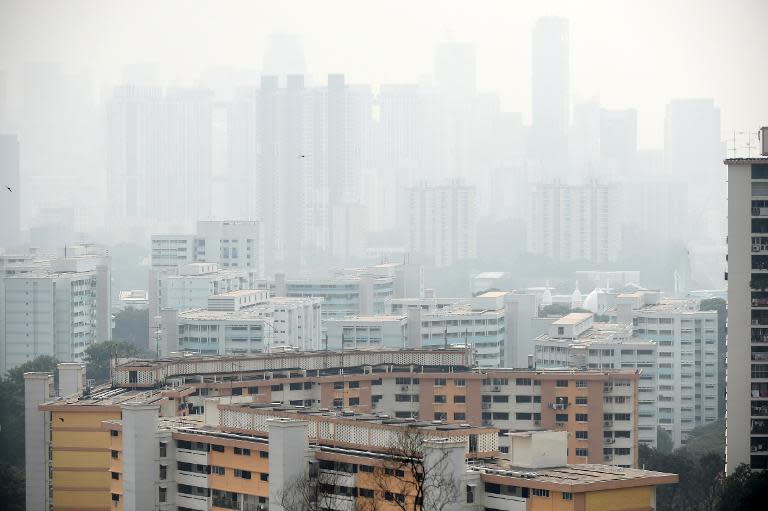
point(496, 388)
point(404, 388)
point(537, 423)
point(485, 406)
point(608, 424)
point(610, 440)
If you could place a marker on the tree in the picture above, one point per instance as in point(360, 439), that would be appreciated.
point(744, 489)
point(664, 442)
point(12, 490)
point(415, 478)
point(12, 408)
point(98, 358)
point(314, 490)
point(132, 326)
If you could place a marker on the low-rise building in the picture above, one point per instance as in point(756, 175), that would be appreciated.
point(143, 449)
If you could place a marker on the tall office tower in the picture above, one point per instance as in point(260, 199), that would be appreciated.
point(575, 223)
point(443, 222)
point(746, 397)
point(185, 157)
point(10, 186)
point(618, 140)
point(455, 71)
point(58, 310)
point(693, 149)
point(133, 153)
point(551, 94)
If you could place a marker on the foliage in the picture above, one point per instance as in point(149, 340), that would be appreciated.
point(132, 326)
point(311, 491)
point(12, 493)
point(699, 478)
point(98, 358)
point(707, 439)
point(558, 309)
point(664, 442)
point(12, 408)
point(744, 489)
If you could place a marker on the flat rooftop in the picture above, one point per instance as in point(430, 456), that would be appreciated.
point(573, 318)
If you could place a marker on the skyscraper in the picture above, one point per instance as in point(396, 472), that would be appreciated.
point(746, 397)
point(551, 94)
point(10, 191)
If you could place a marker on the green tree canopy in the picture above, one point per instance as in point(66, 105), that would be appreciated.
point(98, 358)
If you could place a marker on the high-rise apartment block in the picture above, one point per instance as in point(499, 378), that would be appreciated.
point(687, 353)
point(575, 222)
point(747, 366)
point(10, 183)
point(443, 222)
point(57, 307)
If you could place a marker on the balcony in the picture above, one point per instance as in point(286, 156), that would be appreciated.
point(192, 456)
point(505, 502)
point(193, 501)
point(192, 479)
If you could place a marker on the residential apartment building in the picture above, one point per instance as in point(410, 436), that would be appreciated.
point(408, 277)
point(359, 332)
point(747, 370)
point(56, 307)
point(442, 222)
point(575, 341)
point(575, 222)
point(231, 244)
point(244, 455)
point(687, 353)
point(342, 296)
point(243, 322)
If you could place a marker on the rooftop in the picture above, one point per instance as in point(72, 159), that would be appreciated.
point(573, 318)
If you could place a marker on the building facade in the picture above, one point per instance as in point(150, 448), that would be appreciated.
point(747, 370)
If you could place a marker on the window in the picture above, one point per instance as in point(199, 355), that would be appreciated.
point(115, 496)
point(459, 416)
point(523, 399)
point(237, 391)
point(245, 474)
point(296, 386)
point(253, 390)
point(116, 476)
point(115, 455)
point(338, 385)
point(580, 451)
point(582, 435)
point(500, 416)
point(523, 416)
point(439, 398)
point(365, 492)
point(162, 494)
point(581, 400)
point(561, 417)
point(567, 495)
point(561, 383)
point(217, 448)
point(264, 476)
point(458, 382)
point(441, 416)
point(277, 388)
point(163, 449)
point(354, 401)
point(580, 384)
point(501, 399)
point(523, 381)
point(338, 402)
point(365, 468)
point(459, 399)
point(621, 451)
point(538, 492)
point(263, 454)
point(394, 472)
point(581, 417)
point(219, 471)
point(242, 452)
point(113, 432)
point(163, 472)
point(439, 382)
point(354, 385)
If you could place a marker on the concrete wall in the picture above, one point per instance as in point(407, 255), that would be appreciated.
point(140, 455)
point(37, 390)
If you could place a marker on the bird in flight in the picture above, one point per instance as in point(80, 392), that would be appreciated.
point(9, 188)
point(302, 156)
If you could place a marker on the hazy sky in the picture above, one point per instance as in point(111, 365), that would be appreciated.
point(627, 53)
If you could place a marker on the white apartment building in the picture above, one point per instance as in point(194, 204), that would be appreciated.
point(342, 296)
point(58, 311)
point(443, 222)
point(687, 351)
point(575, 222)
point(747, 369)
point(357, 332)
point(231, 244)
point(575, 341)
point(243, 322)
point(408, 277)
point(192, 284)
